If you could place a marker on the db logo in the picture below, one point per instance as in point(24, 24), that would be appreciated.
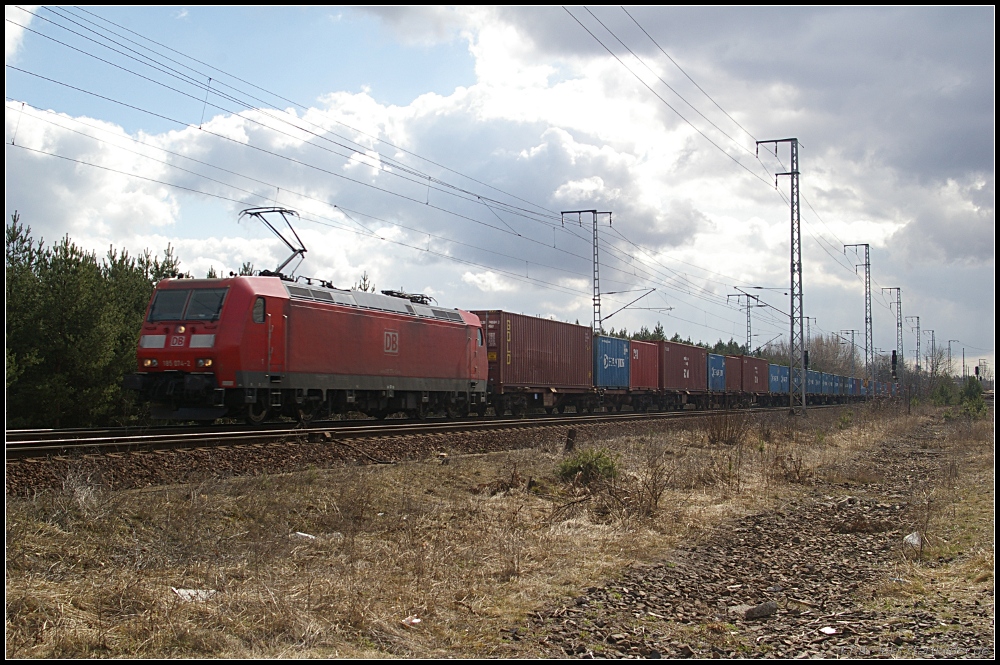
point(391, 342)
point(177, 340)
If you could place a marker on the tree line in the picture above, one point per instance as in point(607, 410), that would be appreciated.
point(72, 325)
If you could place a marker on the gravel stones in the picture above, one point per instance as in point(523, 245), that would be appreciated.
point(790, 582)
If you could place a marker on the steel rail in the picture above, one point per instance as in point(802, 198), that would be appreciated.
point(148, 442)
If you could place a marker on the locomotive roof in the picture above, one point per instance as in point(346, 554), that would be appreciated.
point(374, 301)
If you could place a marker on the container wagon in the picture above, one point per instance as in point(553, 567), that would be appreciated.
point(537, 363)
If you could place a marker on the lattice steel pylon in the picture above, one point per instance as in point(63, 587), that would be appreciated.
point(869, 343)
point(597, 264)
point(796, 339)
point(900, 358)
point(917, 319)
point(752, 301)
point(853, 355)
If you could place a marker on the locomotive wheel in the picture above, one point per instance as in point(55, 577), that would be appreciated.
point(307, 412)
point(256, 413)
point(481, 410)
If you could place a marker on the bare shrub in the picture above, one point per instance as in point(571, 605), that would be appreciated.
point(502, 484)
point(635, 494)
point(728, 428)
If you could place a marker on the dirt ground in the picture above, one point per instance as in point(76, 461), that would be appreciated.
point(826, 569)
point(761, 536)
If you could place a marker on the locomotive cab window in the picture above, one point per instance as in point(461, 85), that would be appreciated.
point(480, 331)
point(258, 310)
point(187, 305)
point(205, 304)
point(168, 305)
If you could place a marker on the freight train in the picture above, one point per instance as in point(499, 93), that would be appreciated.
point(262, 347)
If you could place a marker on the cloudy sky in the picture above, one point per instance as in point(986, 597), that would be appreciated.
point(435, 148)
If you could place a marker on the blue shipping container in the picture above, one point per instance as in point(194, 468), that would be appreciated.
point(814, 382)
point(827, 383)
point(836, 384)
point(777, 379)
point(716, 373)
point(611, 362)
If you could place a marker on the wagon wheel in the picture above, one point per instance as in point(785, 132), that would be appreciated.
point(561, 408)
point(256, 412)
point(307, 412)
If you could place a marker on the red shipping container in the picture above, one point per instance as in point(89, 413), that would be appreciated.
point(734, 374)
point(644, 366)
point(683, 367)
point(755, 375)
point(526, 353)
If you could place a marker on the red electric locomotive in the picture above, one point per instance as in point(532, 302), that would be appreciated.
point(261, 347)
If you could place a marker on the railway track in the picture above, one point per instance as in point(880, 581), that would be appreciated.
point(23, 444)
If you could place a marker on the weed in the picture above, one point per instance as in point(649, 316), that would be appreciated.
point(587, 466)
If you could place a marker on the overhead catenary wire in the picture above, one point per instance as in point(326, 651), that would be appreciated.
point(200, 85)
point(449, 257)
point(358, 151)
point(680, 281)
point(665, 102)
point(341, 123)
point(817, 238)
point(298, 161)
point(292, 192)
point(271, 185)
point(668, 86)
point(655, 43)
point(356, 154)
point(327, 221)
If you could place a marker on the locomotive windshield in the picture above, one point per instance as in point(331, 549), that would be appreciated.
point(187, 305)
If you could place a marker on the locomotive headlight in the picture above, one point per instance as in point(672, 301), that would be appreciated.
point(180, 329)
point(204, 362)
point(149, 362)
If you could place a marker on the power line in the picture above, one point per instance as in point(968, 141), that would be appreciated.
point(679, 277)
point(299, 105)
point(508, 273)
point(665, 102)
point(688, 77)
point(298, 162)
point(355, 154)
point(669, 87)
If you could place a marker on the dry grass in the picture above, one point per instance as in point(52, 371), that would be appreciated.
point(468, 547)
point(953, 511)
